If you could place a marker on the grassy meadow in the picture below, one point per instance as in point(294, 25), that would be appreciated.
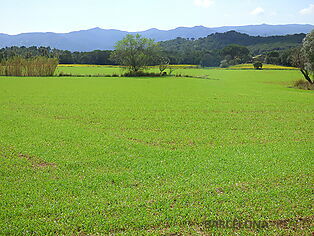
point(101, 70)
point(82, 155)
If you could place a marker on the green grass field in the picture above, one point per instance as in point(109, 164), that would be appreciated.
point(88, 70)
point(85, 70)
point(156, 155)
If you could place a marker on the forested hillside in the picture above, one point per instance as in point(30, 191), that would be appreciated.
point(220, 40)
point(232, 46)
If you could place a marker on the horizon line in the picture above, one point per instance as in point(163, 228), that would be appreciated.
point(209, 27)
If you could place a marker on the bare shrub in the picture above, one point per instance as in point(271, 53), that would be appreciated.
point(303, 84)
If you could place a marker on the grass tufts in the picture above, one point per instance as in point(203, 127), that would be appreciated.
point(303, 84)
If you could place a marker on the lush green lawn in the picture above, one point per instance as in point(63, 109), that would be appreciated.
point(88, 70)
point(156, 155)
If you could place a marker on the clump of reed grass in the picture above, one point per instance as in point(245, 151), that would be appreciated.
point(36, 66)
point(303, 84)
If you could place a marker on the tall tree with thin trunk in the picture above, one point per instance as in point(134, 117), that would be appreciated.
point(303, 58)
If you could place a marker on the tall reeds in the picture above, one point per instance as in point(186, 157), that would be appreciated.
point(36, 66)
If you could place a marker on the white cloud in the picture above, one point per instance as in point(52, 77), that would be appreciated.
point(273, 13)
point(203, 3)
point(257, 11)
point(307, 11)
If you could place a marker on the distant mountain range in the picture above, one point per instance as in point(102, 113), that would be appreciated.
point(105, 39)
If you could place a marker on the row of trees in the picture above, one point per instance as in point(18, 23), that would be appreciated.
point(232, 54)
point(97, 57)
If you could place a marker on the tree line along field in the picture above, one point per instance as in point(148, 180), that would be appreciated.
point(156, 155)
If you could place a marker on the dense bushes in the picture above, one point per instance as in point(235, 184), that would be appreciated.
point(36, 66)
point(258, 65)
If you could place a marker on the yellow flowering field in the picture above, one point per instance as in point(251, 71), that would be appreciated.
point(265, 66)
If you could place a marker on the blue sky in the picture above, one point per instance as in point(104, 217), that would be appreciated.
point(19, 16)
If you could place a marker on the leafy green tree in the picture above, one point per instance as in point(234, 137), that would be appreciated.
point(285, 57)
point(210, 59)
point(66, 57)
point(303, 58)
point(235, 51)
point(135, 52)
point(224, 64)
point(163, 64)
point(236, 54)
point(308, 51)
point(273, 57)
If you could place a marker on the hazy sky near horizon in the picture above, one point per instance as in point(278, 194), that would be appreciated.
point(19, 16)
